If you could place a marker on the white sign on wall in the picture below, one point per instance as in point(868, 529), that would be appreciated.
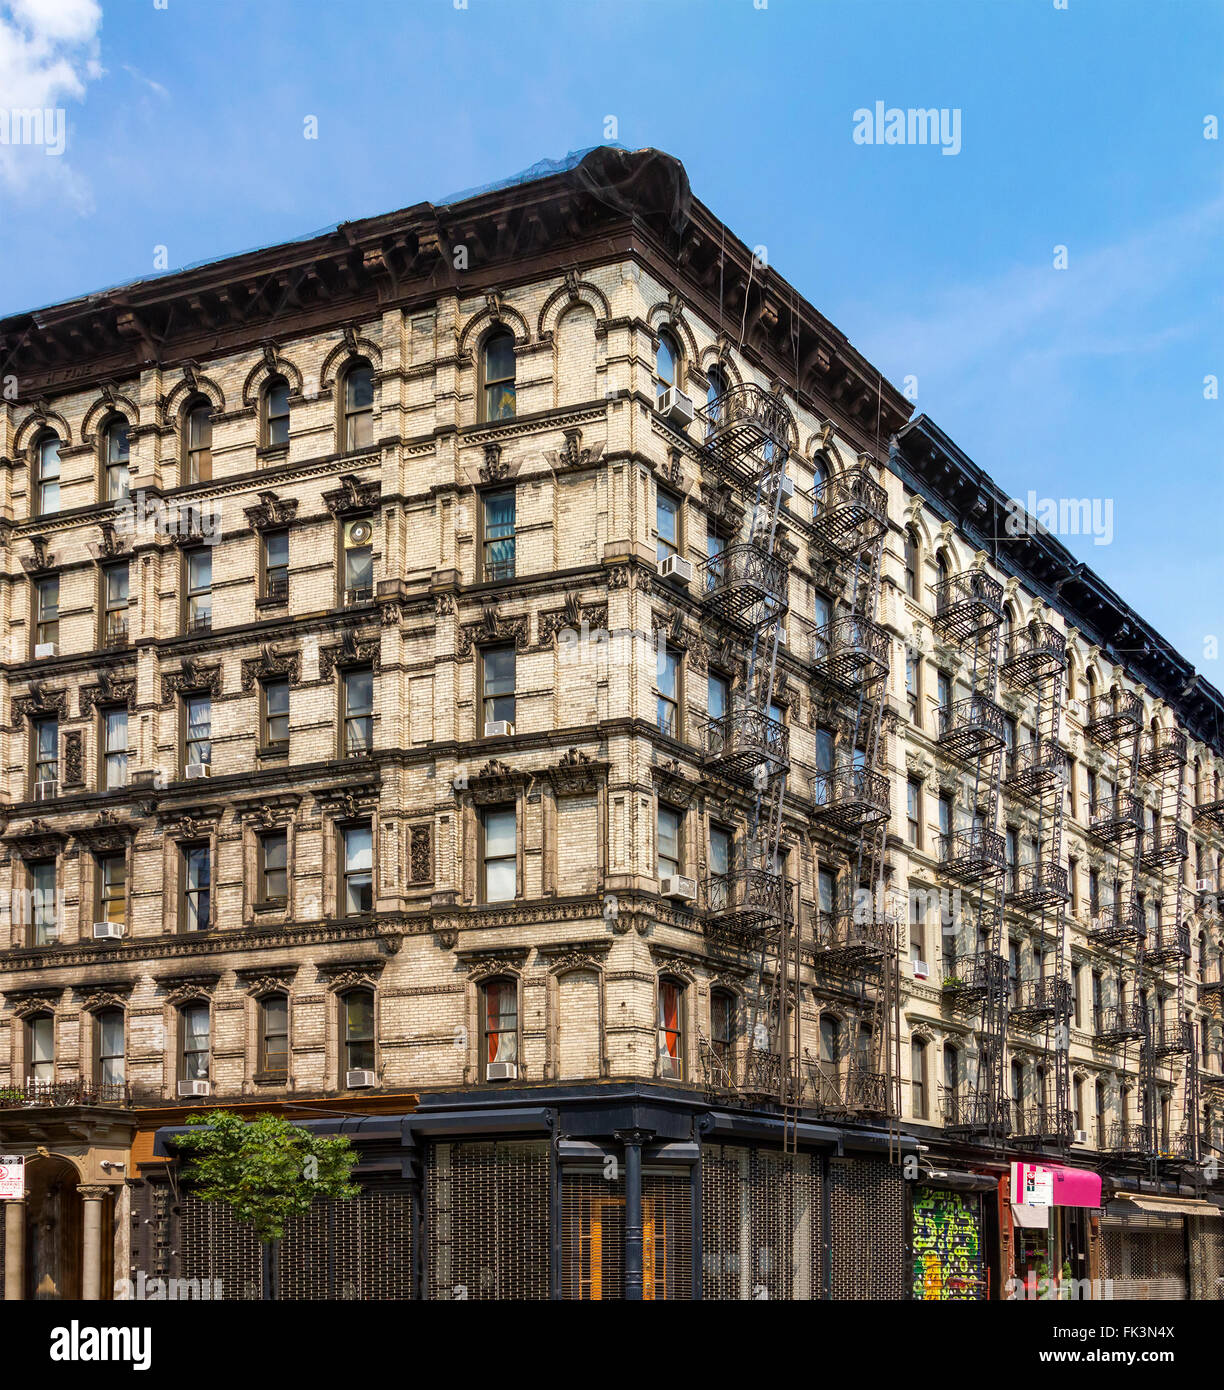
point(1032, 1185)
point(12, 1177)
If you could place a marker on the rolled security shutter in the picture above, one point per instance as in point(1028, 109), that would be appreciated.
point(217, 1246)
point(361, 1249)
point(866, 1204)
point(1143, 1257)
point(949, 1263)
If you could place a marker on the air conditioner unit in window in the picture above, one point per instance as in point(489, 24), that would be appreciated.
point(195, 1088)
point(198, 770)
point(675, 407)
point(673, 567)
point(921, 970)
point(498, 728)
point(501, 1071)
point(678, 887)
point(108, 931)
point(359, 1080)
point(45, 649)
point(781, 636)
point(46, 791)
point(788, 487)
point(1080, 1136)
point(1204, 885)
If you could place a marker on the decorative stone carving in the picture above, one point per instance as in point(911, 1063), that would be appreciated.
point(112, 544)
point(184, 988)
point(270, 663)
point(39, 703)
point(271, 512)
point(194, 676)
point(354, 649)
point(41, 560)
point(353, 495)
point(489, 964)
point(492, 628)
point(572, 454)
point(345, 803)
point(420, 853)
point(73, 771)
point(495, 468)
point(110, 690)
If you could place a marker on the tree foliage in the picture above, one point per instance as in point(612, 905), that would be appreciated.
point(265, 1169)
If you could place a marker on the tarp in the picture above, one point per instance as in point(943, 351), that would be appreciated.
point(1169, 1206)
point(1036, 1217)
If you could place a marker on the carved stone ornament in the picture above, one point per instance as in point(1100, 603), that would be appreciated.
point(112, 543)
point(492, 963)
point(114, 996)
point(183, 989)
point(572, 454)
point(271, 512)
point(354, 649)
point(194, 677)
point(353, 495)
point(495, 468)
point(271, 662)
point(344, 975)
point(492, 628)
point(33, 1002)
point(41, 560)
point(110, 690)
point(576, 772)
point(40, 702)
point(267, 979)
point(74, 775)
point(420, 853)
point(347, 804)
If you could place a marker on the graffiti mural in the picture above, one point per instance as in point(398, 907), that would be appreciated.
point(947, 1245)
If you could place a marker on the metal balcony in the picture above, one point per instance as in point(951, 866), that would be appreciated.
point(971, 1111)
point(1038, 1001)
point(1043, 884)
point(1210, 813)
point(982, 975)
point(764, 1077)
point(742, 577)
point(740, 426)
point(1117, 817)
point(1037, 768)
point(1167, 1039)
point(1115, 716)
point(968, 603)
point(850, 511)
point(851, 798)
point(843, 940)
point(1119, 1023)
point(277, 587)
point(974, 853)
point(846, 1090)
point(1034, 653)
point(739, 742)
point(1169, 844)
point(62, 1094)
point(850, 651)
point(1042, 1123)
point(1127, 1137)
point(972, 728)
point(1118, 924)
point(115, 632)
point(1163, 749)
point(744, 904)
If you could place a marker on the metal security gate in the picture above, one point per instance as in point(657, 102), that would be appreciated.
point(217, 1246)
point(949, 1259)
point(350, 1250)
point(761, 1224)
point(593, 1234)
point(1206, 1258)
point(488, 1220)
point(866, 1207)
point(1143, 1257)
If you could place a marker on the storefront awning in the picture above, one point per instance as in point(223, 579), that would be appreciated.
point(1036, 1217)
point(1168, 1206)
point(1052, 1184)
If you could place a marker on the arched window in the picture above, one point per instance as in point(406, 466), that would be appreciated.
point(115, 460)
point(715, 390)
point(47, 475)
point(198, 442)
point(913, 560)
point(195, 1042)
point(497, 376)
point(943, 566)
point(274, 1035)
point(918, 1078)
point(358, 398)
point(499, 1023)
point(820, 472)
point(722, 1025)
point(357, 1032)
point(1196, 777)
point(1102, 1110)
point(276, 412)
point(1006, 628)
point(951, 1068)
point(109, 1052)
point(671, 1029)
point(830, 1052)
point(667, 363)
point(40, 1049)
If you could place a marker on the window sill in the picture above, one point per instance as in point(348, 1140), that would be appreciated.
point(272, 453)
point(262, 603)
point(271, 905)
point(273, 750)
point(270, 1078)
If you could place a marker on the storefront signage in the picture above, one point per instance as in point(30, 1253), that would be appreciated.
point(1032, 1185)
point(12, 1177)
point(1041, 1185)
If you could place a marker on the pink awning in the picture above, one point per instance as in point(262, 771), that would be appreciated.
point(1050, 1184)
point(1075, 1187)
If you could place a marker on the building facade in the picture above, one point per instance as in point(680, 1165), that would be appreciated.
point(509, 682)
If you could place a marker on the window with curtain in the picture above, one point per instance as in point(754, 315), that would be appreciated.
point(112, 888)
point(40, 1033)
point(197, 887)
point(501, 1021)
point(358, 432)
point(671, 1030)
point(722, 1025)
point(498, 536)
point(115, 747)
point(109, 1026)
point(500, 854)
point(196, 1043)
point(198, 741)
point(668, 835)
point(115, 581)
point(497, 376)
point(46, 750)
point(357, 1019)
point(116, 458)
point(357, 856)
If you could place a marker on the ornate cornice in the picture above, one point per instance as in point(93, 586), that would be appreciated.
point(40, 702)
point(353, 496)
point(270, 663)
point(354, 649)
point(110, 690)
point(271, 512)
point(492, 627)
point(193, 677)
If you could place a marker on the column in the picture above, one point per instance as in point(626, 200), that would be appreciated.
point(91, 1241)
point(14, 1250)
point(632, 1140)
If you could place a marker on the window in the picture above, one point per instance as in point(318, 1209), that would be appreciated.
point(1097, 1000)
point(669, 856)
point(1077, 972)
point(275, 546)
point(197, 888)
point(199, 443)
point(911, 563)
point(47, 475)
point(1094, 892)
point(500, 854)
point(667, 524)
point(357, 1021)
point(667, 690)
point(943, 696)
point(40, 1036)
point(1101, 1116)
point(358, 542)
point(114, 730)
point(357, 851)
point(722, 1026)
point(358, 406)
point(913, 811)
point(1073, 883)
point(108, 1024)
point(826, 890)
point(276, 412)
point(1079, 1102)
point(718, 689)
point(822, 609)
point(199, 589)
point(1092, 793)
point(671, 1030)
point(830, 1046)
point(1013, 971)
point(46, 616)
point(951, 1060)
point(825, 750)
point(912, 688)
point(497, 669)
point(196, 1043)
point(500, 1022)
point(497, 513)
point(46, 751)
point(1012, 853)
point(198, 741)
point(667, 360)
point(1017, 1082)
point(722, 844)
point(44, 916)
point(112, 889)
point(358, 726)
point(115, 461)
point(274, 1035)
point(917, 929)
point(497, 373)
point(945, 825)
point(715, 390)
point(274, 866)
point(918, 1078)
point(275, 713)
point(115, 605)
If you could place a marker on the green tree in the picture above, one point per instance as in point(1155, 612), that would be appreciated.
point(266, 1170)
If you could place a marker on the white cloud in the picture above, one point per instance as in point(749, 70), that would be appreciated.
point(48, 55)
point(147, 81)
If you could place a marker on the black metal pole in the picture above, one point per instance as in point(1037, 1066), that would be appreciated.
point(633, 1217)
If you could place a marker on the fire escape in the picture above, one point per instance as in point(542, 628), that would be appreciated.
point(1035, 663)
point(969, 615)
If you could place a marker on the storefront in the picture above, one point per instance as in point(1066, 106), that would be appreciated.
point(1049, 1215)
point(1155, 1247)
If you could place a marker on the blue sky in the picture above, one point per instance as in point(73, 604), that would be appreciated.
point(1081, 127)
